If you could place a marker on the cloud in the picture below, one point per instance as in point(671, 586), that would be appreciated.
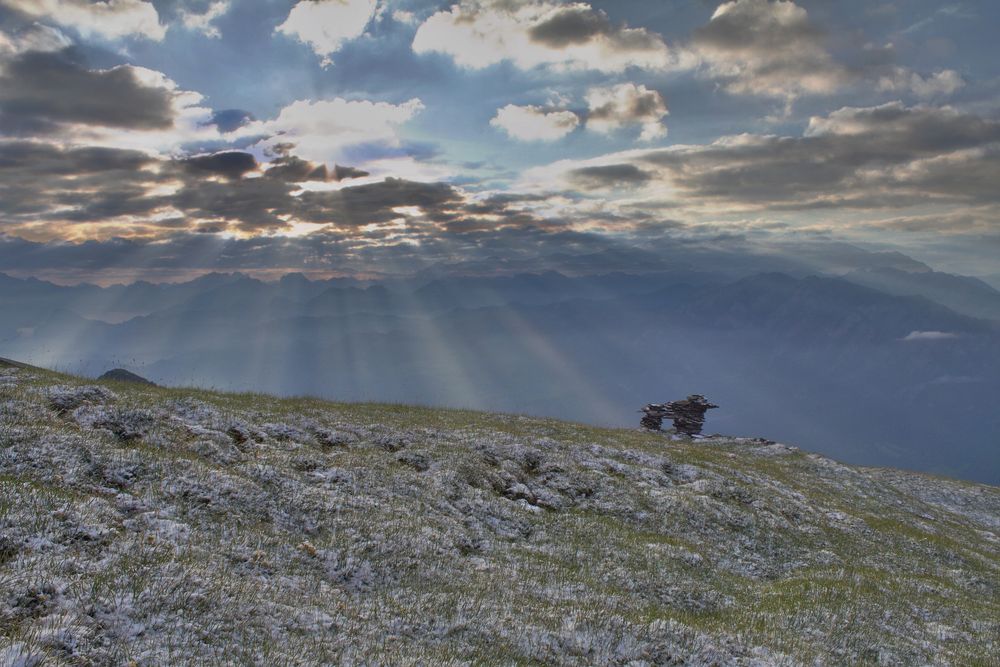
point(323, 130)
point(341, 173)
point(890, 155)
point(940, 84)
point(203, 22)
point(929, 336)
point(232, 165)
point(56, 95)
point(294, 169)
point(769, 48)
point(533, 34)
point(42, 185)
point(533, 123)
point(326, 24)
point(40, 91)
point(869, 158)
point(609, 176)
point(404, 17)
point(772, 48)
point(374, 203)
point(34, 37)
point(624, 105)
point(110, 19)
point(74, 192)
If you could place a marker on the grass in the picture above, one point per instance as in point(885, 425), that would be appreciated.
point(527, 541)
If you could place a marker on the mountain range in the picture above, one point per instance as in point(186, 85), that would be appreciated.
point(892, 364)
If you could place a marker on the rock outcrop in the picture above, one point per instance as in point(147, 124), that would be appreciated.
point(688, 415)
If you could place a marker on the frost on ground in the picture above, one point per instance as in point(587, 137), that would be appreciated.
point(150, 526)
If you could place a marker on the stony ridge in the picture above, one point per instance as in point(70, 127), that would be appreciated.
point(153, 526)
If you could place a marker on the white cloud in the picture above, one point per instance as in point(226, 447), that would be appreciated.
point(326, 24)
point(532, 123)
point(929, 335)
point(531, 34)
point(627, 104)
point(203, 22)
point(322, 129)
point(112, 19)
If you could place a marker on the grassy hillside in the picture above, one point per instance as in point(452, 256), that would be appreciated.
point(154, 526)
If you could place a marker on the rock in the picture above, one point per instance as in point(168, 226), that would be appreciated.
point(122, 375)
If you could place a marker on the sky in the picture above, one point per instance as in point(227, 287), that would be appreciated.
point(161, 139)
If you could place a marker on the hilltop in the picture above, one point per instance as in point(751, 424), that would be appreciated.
point(156, 526)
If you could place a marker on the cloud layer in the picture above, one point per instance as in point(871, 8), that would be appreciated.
point(500, 129)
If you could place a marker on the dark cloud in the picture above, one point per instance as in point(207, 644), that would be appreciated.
point(374, 202)
point(500, 204)
point(775, 49)
point(883, 156)
point(37, 178)
point(580, 24)
point(33, 160)
point(296, 170)
point(638, 108)
point(767, 48)
point(40, 182)
point(341, 173)
point(257, 204)
point(41, 90)
point(572, 26)
point(228, 164)
point(609, 176)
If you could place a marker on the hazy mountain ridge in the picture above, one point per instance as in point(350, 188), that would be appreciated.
point(970, 296)
point(170, 526)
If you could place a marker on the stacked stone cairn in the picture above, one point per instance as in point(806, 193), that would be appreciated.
point(688, 415)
